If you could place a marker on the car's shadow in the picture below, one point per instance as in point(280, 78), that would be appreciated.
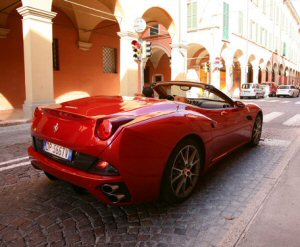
point(54, 209)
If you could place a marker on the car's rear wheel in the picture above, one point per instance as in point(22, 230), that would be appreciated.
point(256, 131)
point(182, 171)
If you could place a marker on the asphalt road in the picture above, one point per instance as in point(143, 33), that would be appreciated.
point(37, 212)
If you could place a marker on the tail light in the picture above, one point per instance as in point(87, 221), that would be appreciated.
point(38, 112)
point(107, 127)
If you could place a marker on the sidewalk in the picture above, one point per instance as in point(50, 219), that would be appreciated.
point(12, 117)
point(277, 223)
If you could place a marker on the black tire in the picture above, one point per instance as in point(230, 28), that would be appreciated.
point(51, 177)
point(256, 131)
point(241, 97)
point(182, 172)
point(256, 96)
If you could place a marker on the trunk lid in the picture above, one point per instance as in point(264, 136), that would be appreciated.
point(73, 124)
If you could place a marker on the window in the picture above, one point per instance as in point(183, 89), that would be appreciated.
point(55, 54)
point(109, 60)
point(284, 49)
point(240, 22)
point(225, 21)
point(192, 15)
point(264, 6)
point(158, 77)
point(154, 30)
point(252, 30)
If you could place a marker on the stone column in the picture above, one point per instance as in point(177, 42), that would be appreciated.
point(38, 61)
point(178, 61)
point(255, 73)
point(244, 73)
point(229, 77)
point(215, 75)
point(128, 67)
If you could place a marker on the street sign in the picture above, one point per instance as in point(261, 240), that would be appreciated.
point(139, 25)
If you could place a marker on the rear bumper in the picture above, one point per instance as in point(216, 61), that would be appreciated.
point(91, 182)
point(284, 94)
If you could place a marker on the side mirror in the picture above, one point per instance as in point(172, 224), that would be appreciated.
point(239, 104)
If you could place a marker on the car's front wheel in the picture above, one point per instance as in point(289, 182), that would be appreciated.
point(182, 171)
point(256, 131)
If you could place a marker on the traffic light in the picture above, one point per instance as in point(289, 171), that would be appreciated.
point(136, 47)
point(146, 49)
point(206, 67)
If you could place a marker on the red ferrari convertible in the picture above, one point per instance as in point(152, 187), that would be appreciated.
point(126, 150)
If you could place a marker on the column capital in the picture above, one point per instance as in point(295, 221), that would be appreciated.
point(33, 13)
point(85, 46)
point(3, 33)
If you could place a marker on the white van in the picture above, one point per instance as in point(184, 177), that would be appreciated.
point(252, 90)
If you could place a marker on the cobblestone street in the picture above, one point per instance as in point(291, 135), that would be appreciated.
point(37, 212)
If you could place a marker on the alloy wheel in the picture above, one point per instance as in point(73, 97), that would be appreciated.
point(185, 171)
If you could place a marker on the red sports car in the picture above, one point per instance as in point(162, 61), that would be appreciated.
point(127, 150)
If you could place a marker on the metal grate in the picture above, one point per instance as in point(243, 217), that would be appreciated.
point(109, 60)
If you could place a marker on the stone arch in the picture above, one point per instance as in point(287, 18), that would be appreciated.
point(261, 71)
point(198, 59)
point(237, 71)
point(86, 17)
point(159, 15)
point(269, 71)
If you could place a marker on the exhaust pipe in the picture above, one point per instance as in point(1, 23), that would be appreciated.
point(116, 198)
point(108, 188)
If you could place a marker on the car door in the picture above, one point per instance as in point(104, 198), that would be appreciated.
point(230, 128)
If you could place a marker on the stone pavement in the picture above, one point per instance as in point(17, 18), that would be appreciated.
point(37, 212)
point(278, 221)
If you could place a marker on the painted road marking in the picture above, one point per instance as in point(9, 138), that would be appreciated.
point(269, 117)
point(14, 166)
point(297, 103)
point(293, 121)
point(285, 102)
point(276, 142)
point(12, 161)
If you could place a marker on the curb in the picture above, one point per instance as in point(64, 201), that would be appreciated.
point(7, 123)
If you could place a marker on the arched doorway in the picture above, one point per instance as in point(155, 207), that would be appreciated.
point(236, 72)
point(250, 73)
point(157, 67)
point(198, 59)
point(223, 76)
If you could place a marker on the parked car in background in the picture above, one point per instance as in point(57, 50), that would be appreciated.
point(251, 90)
point(127, 150)
point(270, 88)
point(298, 88)
point(287, 90)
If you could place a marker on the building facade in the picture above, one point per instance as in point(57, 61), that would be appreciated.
point(55, 50)
point(243, 41)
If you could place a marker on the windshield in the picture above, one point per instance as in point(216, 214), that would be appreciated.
point(191, 92)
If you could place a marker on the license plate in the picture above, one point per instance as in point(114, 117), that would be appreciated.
point(57, 150)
